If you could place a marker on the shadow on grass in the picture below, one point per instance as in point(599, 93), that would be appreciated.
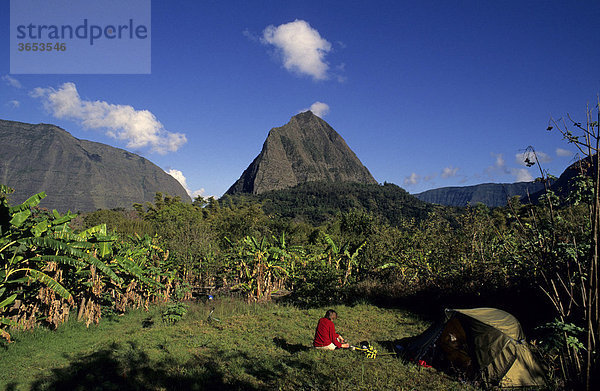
point(148, 322)
point(290, 348)
point(129, 368)
point(126, 366)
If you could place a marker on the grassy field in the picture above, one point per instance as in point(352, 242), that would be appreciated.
point(250, 347)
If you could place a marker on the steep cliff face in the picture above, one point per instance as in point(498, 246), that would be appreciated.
point(76, 174)
point(306, 149)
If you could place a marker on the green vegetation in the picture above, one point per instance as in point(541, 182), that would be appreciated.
point(47, 269)
point(318, 202)
point(311, 246)
point(254, 346)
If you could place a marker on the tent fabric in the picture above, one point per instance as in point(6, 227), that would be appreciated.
point(496, 318)
point(487, 341)
point(525, 371)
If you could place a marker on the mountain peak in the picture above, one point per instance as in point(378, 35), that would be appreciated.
point(306, 149)
point(305, 116)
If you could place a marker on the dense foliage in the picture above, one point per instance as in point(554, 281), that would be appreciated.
point(318, 202)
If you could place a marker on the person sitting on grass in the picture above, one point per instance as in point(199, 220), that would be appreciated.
point(325, 336)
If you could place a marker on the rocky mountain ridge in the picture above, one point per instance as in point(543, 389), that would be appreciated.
point(77, 175)
point(306, 149)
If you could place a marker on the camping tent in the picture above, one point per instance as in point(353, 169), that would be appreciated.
point(480, 341)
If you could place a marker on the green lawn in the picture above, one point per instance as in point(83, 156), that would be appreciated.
point(251, 347)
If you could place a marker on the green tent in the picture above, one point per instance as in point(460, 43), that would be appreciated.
point(481, 341)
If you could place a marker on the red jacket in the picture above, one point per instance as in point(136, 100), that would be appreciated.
point(325, 334)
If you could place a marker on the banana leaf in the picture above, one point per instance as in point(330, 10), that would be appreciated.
point(52, 244)
point(67, 249)
point(6, 190)
point(82, 245)
point(50, 283)
point(30, 202)
point(21, 280)
point(104, 249)
point(40, 228)
point(59, 259)
point(7, 321)
point(104, 268)
point(19, 218)
point(63, 219)
point(136, 271)
point(7, 301)
point(88, 233)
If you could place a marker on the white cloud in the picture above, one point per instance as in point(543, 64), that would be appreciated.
point(183, 181)
point(450, 171)
point(180, 178)
point(319, 109)
point(499, 166)
point(139, 128)
point(413, 179)
point(197, 193)
point(11, 81)
point(522, 175)
point(563, 152)
point(500, 162)
point(542, 157)
point(302, 48)
point(14, 103)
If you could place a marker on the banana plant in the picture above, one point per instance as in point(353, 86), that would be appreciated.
point(343, 253)
point(332, 251)
point(17, 240)
point(286, 257)
point(28, 243)
point(261, 267)
point(351, 257)
point(132, 262)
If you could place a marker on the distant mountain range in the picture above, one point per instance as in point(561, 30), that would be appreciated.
point(76, 174)
point(306, 149)
point(497, 194)
point(490, 194)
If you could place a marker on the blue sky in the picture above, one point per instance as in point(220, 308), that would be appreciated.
point(427, 94)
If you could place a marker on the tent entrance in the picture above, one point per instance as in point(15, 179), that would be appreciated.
point(453, 342)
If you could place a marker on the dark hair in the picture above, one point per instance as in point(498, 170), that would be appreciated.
point(329, 313)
